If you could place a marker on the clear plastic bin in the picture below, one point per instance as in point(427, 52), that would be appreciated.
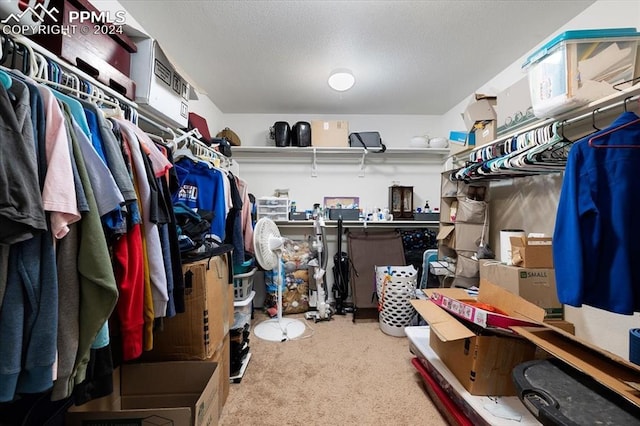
point(581, 66)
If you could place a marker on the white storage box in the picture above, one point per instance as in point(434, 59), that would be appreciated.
point(242, 311)
point(274, 208)
point(578, 67)
point(159, 88)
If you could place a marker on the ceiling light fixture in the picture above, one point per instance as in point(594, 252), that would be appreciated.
point(341, 80)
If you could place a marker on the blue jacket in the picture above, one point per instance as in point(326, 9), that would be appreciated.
point(596, 247)
point(202, 187)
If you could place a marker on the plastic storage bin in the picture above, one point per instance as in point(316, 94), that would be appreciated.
point(273, 207)
point(581, 66)
point(242, 311)
point(243, 285)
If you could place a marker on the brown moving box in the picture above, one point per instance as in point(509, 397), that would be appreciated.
point(222, 357)
point(530, 252)
point(199, 332)
point(162, 393)
point(538, 286)
point(330, 133)
point(482, 362)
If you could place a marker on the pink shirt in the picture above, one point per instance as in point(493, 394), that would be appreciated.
point(58, 195)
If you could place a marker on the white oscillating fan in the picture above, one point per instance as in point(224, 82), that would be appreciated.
point(267, 244)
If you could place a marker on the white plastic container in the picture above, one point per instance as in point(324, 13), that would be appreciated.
point(242, 311)
point(243, 285)
point(581, 66)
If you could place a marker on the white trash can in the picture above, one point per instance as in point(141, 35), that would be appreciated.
point(396, 286)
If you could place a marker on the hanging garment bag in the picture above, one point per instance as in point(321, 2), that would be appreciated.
point(368, 250)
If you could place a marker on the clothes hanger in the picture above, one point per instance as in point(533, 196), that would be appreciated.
point(608, 132)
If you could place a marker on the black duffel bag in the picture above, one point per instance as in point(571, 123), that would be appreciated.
point(367, 140)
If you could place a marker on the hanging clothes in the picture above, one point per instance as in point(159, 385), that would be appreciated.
point(595, 248)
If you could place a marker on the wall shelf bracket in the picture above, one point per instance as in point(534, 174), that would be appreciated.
point(362, 164)
point(314, 164)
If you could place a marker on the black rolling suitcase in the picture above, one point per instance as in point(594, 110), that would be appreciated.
point(557, 394)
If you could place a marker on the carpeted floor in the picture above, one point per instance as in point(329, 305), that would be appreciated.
point(345, 373)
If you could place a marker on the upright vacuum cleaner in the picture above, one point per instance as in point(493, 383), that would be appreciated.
point(340, 275)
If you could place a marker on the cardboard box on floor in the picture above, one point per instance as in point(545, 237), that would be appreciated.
point(481, 361)
point(222, 357)
point(532, 252)
point(163, 393)
point(197, 333)
point(615, 373)
point(537, 286)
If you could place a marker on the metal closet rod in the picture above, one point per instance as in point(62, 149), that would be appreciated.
point(562, 122)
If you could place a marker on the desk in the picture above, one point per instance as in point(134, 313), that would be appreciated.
point(392, 224)
point(480, 410)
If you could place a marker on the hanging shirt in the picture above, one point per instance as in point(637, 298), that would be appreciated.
point(21, 210)
point(150, 229)
point(202, 188)
point(595, 245)
point(56, 196)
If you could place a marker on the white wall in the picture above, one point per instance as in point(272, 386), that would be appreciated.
point(205, 107)
point(602, 14)
point(530, 203)
point(340, 178)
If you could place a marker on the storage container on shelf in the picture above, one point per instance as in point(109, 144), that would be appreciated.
point(580, 66)
point(243, 285)
point(242, 311)
point(275, 208)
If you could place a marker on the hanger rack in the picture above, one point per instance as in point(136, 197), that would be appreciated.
point(35, 63)
point(511, 155)
point(70, 69)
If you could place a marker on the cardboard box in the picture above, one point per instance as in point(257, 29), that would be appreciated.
point(447, 236)
point(330, 133)
point(479, 109)
point(538, 286)
point(567, 326)
point(483, 133)
point(514, 107)
point(616, 373)
point(197, 333)
point(159, 86)
point(531, 252)
point(222, 357)
point(167, 393)
point(481, 360)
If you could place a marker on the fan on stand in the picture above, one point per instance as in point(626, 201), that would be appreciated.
point(267, 244)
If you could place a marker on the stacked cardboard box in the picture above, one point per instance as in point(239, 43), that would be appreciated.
point(201, 333)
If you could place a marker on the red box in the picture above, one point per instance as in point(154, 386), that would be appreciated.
point(98, 50)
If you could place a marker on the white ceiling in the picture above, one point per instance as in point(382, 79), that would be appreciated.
point(409, 57)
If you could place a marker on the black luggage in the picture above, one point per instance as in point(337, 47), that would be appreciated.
point(558, 394)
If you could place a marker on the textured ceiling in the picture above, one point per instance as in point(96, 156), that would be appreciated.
point(409, 57)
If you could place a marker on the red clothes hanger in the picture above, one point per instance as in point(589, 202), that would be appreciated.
point(615, 129)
